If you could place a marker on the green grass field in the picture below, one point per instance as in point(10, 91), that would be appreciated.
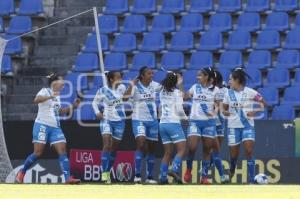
point(28, 191)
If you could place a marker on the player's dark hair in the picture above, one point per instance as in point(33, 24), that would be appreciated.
point(170, 82)
point(142, 72)
point(110, 75)
point(240, 75)
point(218, 80)
point(211, 75)
point(52, 77)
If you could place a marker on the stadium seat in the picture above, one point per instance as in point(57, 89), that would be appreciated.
point(84, 112)
point(78, 81)
point(135, 24)
point(270, 95)
point(297, 78)
point(220, 22)
point(256, 78)
point(131, 75)
point(19, 25)
point(191, 23)
point(277, 21)
point(260, 115)
point(288, 59)
point(211, 40)
point(201, 59)
point(172, 6)
point(229, 5)
point(225, 74)
point(159, 76)
point(249, 22)
point(89, 95)
point(108, 23)
point(97, 81)
point(116, 7)
point(31, 7)
point(231, 59)
point(292, 40)
point(202, 6)
point(283, 112)
point(6, 65)
point(286, 5)
point(7, 7)
point(278, 77)
point(143, 59)
point(291, 96)
point(163, 23)
point(182, 41)
point(190, 78)
point(14, 46)
point(91, 46)
point(86, 62)
point(172, 60)
point(1, 25)
point(153, 41)
point(124, 43)
point(239, 40)
point(67, 95)
point(259, 59)
point(143, 6)
point(268, 39)
point(257, 5)
point(115, 61)
point(297, 21)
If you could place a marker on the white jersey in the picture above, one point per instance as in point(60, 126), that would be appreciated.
point(220, 97)
point(240, 103)
point(48, 111)
point(203, 104)
point(144, 107)
point(112, 102)
point(172, 106)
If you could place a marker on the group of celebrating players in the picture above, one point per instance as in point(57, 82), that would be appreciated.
point(213, 105)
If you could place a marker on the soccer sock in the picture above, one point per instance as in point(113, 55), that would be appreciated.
point(233, 162)
point(150, 164)
point(251, 169)
point(205, 167)
point(138, 162)
point(28, 162)
point(176, 164)
point(105, 158)
point(112, 159)
point(218, 163)
point(163, 172)
point(211, 158)
point(189, 161)
point(64, 165)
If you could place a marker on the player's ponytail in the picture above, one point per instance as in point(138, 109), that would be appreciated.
point(209, 72)
point(52, 77)
point(170, 82)
point(240, 75)
point(110, 76)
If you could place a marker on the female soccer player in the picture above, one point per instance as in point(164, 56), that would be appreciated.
point(144, 121)
point(47, 127)
point(238, 107)
point(112, 123)
point(170, 128)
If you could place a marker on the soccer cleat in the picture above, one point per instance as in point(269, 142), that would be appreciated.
point(231, 174)
point(150, 180)
point(163, 182)
point(105, 177)
point(187, 175)
point(137, 179)
point(205, 181)
point(224, 179)
point(73, 180)
point(20, 177)
point(175, 176)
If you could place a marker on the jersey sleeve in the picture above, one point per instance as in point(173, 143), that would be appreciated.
point(218, 94)
point(157, 86)
point(253, 94)
point(97, 99)
point(43, 92)
point(191, 90)
point(122, 89)
point(226, 98)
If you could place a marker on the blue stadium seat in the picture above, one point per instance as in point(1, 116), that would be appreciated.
point(1, 25)
point(7, 7)
point(201, 59)
point(116, 7)
point(191, 23)
point(98, 80)
point(286, 5)
point(115, 61)
point(259, 59)
point(67, 95)
point(225, 74)
point(256, 78)
point(153, 41)
point(78, 81)
point(270, 95)
point(19, 25)
point(291, 96)
point(131, 75)
point(159, 76)
point(84, 112)
point(91, 46)
point(14, 46)
point(249, 22)
point(143, 59)
point(297, 21)
point(292, 40)
point(268, 39)
point(260, 115)
point(283, 112)
point(202, 6)
point(172, 6)
point(6, 65)
point(124, 43)
point(288, 59)
point(239, 40)
point(297, 78)
point(31, 7)
point(108, 23)
point(229, 5)
point(144, 6)
point(172, 60)
point(257, 5)
point(277, 21)
point(190, 78)
point(86, 62)
point(135, 24)
point(211, 40)
point(278, 77)
point(220, 22)
point(163, 23)
point(231, 59)
point(182, 41)
point(89, 95)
